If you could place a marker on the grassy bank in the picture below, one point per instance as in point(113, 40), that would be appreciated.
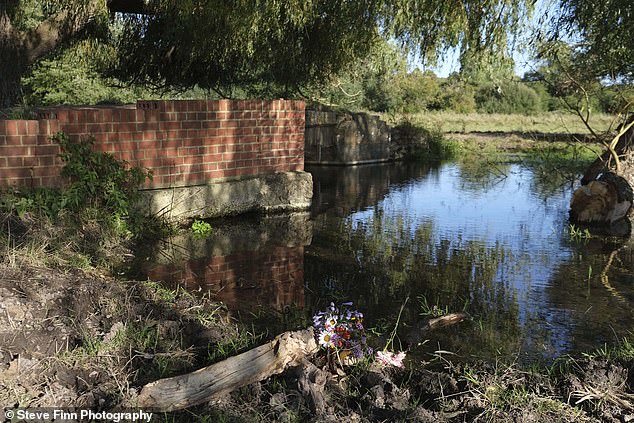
point(546, 123)
point(73, 336)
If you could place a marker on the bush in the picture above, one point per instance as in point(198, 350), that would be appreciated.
point(457, 96)
point(99, 185)
point(507, 98)
point(418, 143)
point(98, 179)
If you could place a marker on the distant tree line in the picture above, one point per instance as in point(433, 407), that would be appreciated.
point(334, 52)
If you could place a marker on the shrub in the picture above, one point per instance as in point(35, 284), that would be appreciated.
point(508, 98)
point(417, 142)
point(99, 185)
point(98, 179)
point(457, 96)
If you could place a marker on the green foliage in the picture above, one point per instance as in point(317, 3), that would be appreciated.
point(419, 142)
point(606, 38)
point(415, 92)
point(68, 80)
point(457, 95)
point(100, 188)
point(201, 229)
point(97, 179)
point(431, 310)
point(569, 77)
point(232, 346)
point(510, 97)
point(577, 233)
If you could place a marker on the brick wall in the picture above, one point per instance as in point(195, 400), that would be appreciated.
point(184, 142)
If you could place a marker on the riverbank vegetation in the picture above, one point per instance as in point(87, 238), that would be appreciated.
point(81, 334)
point(75, 332)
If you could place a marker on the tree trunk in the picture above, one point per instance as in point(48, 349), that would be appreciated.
point(605, 197)
point(19, 50)
point(12, 63)
point(175, 393)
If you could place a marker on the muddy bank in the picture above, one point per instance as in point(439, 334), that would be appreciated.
point(75, 339)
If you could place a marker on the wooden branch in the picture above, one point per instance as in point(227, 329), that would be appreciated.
point(419, 331)
point(613, 144)
point(311, 382)
point(175, 393)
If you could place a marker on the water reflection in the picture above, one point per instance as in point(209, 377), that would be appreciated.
point(492, 243)
point(249, 263)
point(489, 240)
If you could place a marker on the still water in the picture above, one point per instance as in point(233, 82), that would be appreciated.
point(490, 241)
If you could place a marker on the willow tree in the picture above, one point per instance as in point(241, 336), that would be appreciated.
point(605, 34)
point(31, 30)
point(220, 44)
point(608, 47)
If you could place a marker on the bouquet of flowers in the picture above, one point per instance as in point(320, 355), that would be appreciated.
point(340, 332)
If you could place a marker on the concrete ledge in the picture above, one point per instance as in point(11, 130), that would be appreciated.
point(284, 191)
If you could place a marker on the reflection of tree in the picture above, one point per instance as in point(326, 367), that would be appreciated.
point(595, 285)
point(384, 259)
point(478, 174)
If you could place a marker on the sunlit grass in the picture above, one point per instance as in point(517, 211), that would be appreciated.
point(547, 123)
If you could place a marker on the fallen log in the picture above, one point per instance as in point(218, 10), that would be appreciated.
point(175, 393)
point(311, 382)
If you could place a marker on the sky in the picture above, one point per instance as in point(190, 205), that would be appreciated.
point(450, 64)
point(523, 62)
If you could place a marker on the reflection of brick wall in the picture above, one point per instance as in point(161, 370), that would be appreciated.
point(185, 142)
point(272, 278)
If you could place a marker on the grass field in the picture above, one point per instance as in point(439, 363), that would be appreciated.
point(546, 123)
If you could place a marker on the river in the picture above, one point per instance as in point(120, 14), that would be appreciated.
point(490, 240)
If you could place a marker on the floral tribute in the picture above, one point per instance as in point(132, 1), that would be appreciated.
point(388, 358)
point(340, 332)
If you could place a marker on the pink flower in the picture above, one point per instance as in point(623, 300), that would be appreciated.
point(388, 358)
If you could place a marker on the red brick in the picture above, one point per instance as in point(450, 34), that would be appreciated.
point(191, 125)
point(15, 161)
point(51, 181)
point(105, 115)
point(11, 128)
point(170, 153)
point(190, 151)
point(222, 105)
point(15, 172)
point(147, 126)
point(99, 127)
point(176, 134)
point(45, 171)
point(46, 150)
point(169, 125)
point(47, 161)
point(213, 158)
point(150, 136)
point(32, 127)
point(49, 127)
point(14, 151)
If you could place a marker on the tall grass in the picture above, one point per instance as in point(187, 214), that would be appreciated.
point(547, 123)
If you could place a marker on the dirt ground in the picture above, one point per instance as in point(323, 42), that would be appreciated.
point(75, 339)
